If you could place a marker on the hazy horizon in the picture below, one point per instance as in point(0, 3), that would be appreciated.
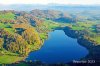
point(45, 2)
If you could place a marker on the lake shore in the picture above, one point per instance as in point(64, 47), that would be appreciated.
point(93, 49)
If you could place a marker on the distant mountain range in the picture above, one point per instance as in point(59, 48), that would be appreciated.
point(61, 7)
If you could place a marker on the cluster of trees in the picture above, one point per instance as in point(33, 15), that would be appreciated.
point(15, 17)
point(31, 36)
point(54, 15)
point(19, 44)
point(24, 17)
point(24, 35)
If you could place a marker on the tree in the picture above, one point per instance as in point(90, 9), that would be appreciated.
point(1, 43)
point(31, 36)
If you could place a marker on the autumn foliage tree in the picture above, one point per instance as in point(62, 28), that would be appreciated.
point(31, 36)
point(20, 46)
point(1, 43)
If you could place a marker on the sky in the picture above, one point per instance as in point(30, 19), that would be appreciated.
point(87, 2)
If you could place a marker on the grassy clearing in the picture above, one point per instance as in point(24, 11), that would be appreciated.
point(92, 35)
point(9, 16)
point(11, 30)
point(7, 27)
point(85, 24)
point(95, 40)
point(82, 26)
point(51, 24)
point(77, 28)
point(7, 59)
point(43, 36)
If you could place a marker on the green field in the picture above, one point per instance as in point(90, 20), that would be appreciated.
point(2, 25)
point(77, 28)
point(7, 59)
point(43, 36)
point(7, 27)
point(83, 25)
point(51, 24)
point(9, 16)
point(87, 26)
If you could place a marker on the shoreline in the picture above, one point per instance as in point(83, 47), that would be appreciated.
point(92, 48)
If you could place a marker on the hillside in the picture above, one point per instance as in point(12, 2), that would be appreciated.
point(22, 32)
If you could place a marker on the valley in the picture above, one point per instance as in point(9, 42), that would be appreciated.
point(23, 32)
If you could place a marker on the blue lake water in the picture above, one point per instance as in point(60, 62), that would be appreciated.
point(59, 48)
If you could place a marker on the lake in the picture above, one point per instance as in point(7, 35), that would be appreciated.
point(59, 48)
